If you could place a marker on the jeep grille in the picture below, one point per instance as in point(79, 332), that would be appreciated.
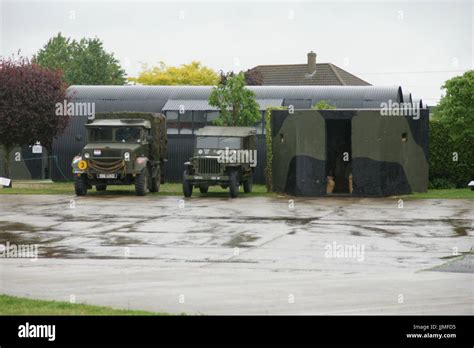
point(208, 166)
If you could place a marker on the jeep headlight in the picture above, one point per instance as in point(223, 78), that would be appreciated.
point(87, 155)
point(126, 156)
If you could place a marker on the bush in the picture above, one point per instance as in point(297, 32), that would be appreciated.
point(451, 160)
point(441, 184)
point(268, 140)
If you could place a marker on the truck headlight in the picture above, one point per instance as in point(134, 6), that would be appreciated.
point(126, 156)
point(87, 155)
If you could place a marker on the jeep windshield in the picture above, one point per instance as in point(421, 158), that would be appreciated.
point(218, 142)
point(115, 134)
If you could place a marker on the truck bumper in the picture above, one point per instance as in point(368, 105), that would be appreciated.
point(110, 179)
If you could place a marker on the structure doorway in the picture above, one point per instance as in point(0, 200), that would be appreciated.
point(338, 156)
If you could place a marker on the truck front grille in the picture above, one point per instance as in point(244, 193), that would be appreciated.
point(208, 166)
point(106, 166)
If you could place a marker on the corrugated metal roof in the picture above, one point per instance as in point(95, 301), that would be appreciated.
point(266, 103)
point(188, 104)
point(420, 103)
point(407, 97)
point(226, 131)
point(154, 98)
point(203, 104)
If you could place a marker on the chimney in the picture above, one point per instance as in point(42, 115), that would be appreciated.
point(311, 62)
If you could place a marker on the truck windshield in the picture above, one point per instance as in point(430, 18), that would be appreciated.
point(122, 134)
point(97, 134)
point(218, 142)
point(128, 135)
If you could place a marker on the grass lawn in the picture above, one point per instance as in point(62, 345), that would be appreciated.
point(30, 187)
point(10, 305)
point(443, 194)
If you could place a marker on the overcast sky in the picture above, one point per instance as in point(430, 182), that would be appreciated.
point(417, 45)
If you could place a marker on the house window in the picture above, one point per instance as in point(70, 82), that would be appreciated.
point(211, 116)
point(172, 122)
point(186, 122)
point(199, 119)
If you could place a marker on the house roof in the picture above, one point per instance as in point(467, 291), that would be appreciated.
point(326, 74)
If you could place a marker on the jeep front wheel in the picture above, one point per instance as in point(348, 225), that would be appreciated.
point(155, 182)
point(233, 184)
point(80, 185)
point(141, 184)
point(248, 184)
point(187, 186)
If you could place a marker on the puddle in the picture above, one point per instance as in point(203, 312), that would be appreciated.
point(463, 263)
point(238, 241)
point(461, 231)
point(16, 226)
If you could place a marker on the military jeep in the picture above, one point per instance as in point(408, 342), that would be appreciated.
point(122, 149)
point(224, 156)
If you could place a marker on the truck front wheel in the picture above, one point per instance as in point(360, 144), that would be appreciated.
point(80, 185)
point(233, 184)
point(141, 184)
point(187, 186)
point(101, 187)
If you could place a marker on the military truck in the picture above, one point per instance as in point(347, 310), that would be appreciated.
point(224, 156)
point(122, 149)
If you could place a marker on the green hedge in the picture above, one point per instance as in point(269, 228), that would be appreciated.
point(268, 130)
point(445, 172)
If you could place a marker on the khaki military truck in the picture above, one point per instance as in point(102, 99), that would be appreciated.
point(122, 149)
point(224, 156)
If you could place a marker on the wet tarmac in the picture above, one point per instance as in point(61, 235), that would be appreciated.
point(254, 255)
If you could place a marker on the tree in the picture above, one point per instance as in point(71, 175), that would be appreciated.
point(452, 134)
point(236, 103)
point(28, 94)
point(456, 108)
point(252, 77)
point(83, 62)
point(224, 76)
point(186, 74)
point(323, 105)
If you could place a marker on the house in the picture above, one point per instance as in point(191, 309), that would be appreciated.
point(311, 73)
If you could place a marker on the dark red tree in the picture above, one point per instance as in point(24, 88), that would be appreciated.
point(28, 95)
point(253, 77)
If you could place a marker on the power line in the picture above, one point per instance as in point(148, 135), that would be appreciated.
point(412, 72)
